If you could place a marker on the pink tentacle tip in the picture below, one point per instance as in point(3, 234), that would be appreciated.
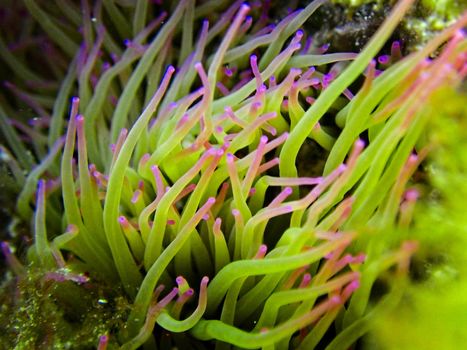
point(41, 186)
point(306, 279)
point(412, 194)
point(75, 100)
point(190, 292)
point(410, 246)
point(170, 222)
point(347, 259)
point(298, 36)
point(244, 8)
point(181, 282)
point(123, 221)
point(228, 72)
point(354, 284)
point(359, 144)
point(170, 70)
point(80, 119)
point(230, 158)
point(309, 72)
point(262, 250)
point(335, 300)
point(154, 168)
point(256, 105)
point(235, 212)
point(123, 132)
point(413, 159)
point(198, 66)
point(253, 59)
point(327, 78)
point(371, 66)
point(105, 66)
point(324, 48)
point(158, 290)
point(383, 59)
point(359, 259)
point(71, 228)
point(92, 168)
point(204, 281)
point(351, 287)
point(288, 190)
point(211, 200)
point(295, 72)
point(103, 342)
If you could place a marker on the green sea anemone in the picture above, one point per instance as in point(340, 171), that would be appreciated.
point(203, 188)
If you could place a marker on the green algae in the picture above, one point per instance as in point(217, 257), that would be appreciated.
point(39, 312)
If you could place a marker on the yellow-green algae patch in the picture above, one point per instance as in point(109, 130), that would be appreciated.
point(40, 312)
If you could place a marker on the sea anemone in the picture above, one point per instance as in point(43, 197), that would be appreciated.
point(203, 182)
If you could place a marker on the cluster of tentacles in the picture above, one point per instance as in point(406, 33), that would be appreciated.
point(202, 189)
